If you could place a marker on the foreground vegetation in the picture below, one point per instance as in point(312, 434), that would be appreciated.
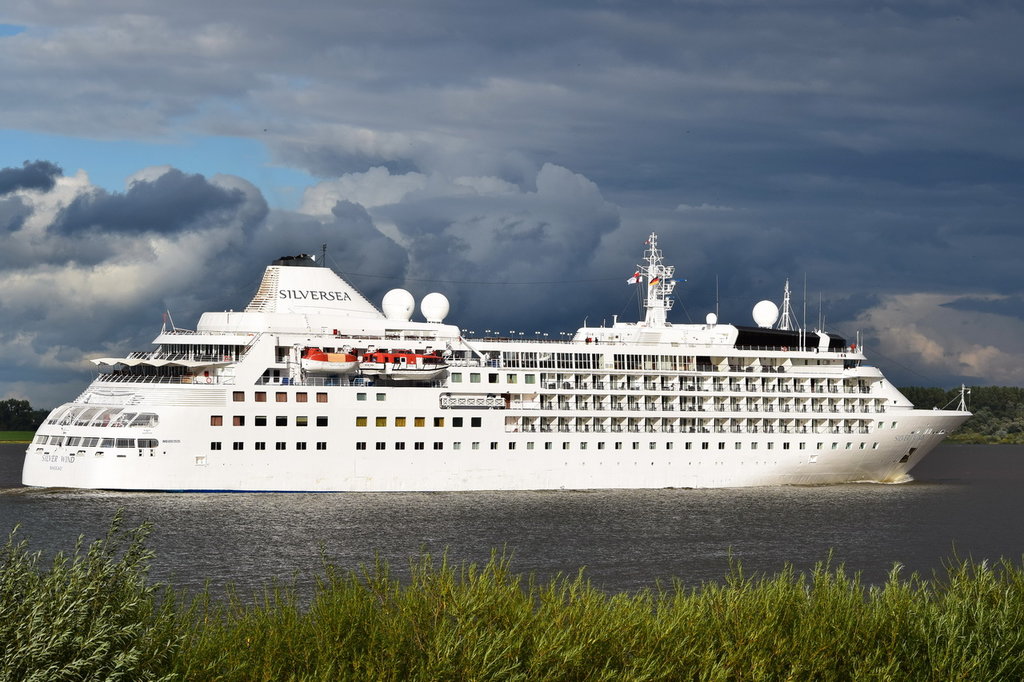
point(93, 615)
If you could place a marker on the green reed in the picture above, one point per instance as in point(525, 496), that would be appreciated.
point(94, 616)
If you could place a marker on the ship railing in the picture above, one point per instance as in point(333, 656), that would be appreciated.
point(159, 379)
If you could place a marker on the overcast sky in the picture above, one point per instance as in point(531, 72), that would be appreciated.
point(515, 156)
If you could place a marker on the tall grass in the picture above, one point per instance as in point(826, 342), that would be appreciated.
point(94, 616)
point(89, 615)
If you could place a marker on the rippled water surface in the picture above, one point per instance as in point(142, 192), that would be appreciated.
point(965, 499)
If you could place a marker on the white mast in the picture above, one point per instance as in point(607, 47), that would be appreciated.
point(786, 321)
point(660, 285)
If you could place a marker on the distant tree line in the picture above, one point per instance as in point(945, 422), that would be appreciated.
point(998, 411)
point(18, 415)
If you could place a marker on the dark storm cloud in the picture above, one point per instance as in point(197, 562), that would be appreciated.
point(13, 213)
point(41, 175)
point(1011, 306)
point(173, 202)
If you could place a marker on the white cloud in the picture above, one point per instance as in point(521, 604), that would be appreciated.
point(922, 332)
point(375, 187)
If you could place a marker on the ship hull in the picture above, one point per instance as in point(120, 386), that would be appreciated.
point(483, 458)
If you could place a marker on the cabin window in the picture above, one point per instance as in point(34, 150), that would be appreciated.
point(381, 396)
point(474, 378)
point(438, 421)
point(456, 446)
point(260, 420)
point(321, 421)
point(380, 445)
point(302, 421)
point(419, 421)
point(261, 396)
point(300, 446)
point(381, 421)
point(511, 445)
point(476, 445)
point(281, 420)
point(475, 421)
point(321, 445)
point(511, 378)
point(321, 397)
point(530, 378)
point(492, 378)
point(361, 445)
point(360, 396)
point(494, 445)
point(261, 445)
point(301, 397)
point(400, 445)
point(399, 421)
point(548, 445)
point(360, 421)
point(418, 445)
point(238, 396)
point(281, 397)
point(457, 422)
point(438, 445)
point(456, 377)
point(238, 420)
point(237, 445)
point(216, 420)
point(215, 446)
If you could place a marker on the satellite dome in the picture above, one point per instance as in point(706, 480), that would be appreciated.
point(765, 314)
point(434, 307)
point(711, 319)
point(398, 304)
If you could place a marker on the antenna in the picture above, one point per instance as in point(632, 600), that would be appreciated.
point(786, 322)
point(716, 297)
point(323, 258)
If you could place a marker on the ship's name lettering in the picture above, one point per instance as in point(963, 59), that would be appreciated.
point(312, 295)
point(63, 459)
point(911, 436)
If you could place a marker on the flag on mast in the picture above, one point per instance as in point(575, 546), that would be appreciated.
point(635, 279)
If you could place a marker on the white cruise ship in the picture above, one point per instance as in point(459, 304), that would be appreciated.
point(312, 388)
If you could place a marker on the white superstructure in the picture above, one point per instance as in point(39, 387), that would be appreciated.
point(415, 406)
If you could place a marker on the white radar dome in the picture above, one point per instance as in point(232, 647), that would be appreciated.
point(398, 304)
point(711, 318)
point(765, 314)
point(434, 307)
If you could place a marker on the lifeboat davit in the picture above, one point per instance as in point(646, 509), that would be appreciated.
point(403, 365)
point(316, 361)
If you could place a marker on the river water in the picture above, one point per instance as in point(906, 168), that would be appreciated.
point(965, 500)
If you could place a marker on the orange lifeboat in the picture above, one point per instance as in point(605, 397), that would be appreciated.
point(316, 361)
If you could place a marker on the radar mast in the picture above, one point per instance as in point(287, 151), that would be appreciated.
point(786, 321)
point(660, 284)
